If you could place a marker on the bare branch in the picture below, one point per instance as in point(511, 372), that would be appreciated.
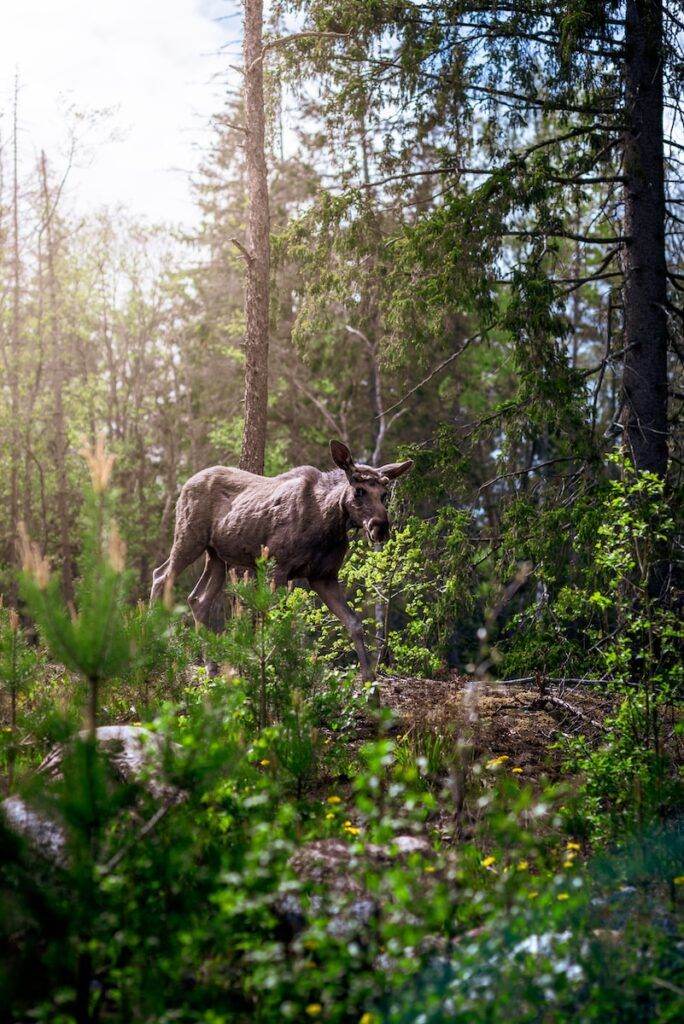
point(590, 239)
point(245, 253)
point(319, 404)
point(438, 369)
point(522, 472)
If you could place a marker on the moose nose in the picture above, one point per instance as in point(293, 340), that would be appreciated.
point(378, 530)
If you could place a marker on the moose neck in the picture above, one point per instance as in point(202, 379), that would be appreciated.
point(330, 496)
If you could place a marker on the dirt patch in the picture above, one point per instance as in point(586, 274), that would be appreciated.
point(518, 722)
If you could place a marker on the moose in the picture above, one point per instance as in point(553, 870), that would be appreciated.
point(303, 517)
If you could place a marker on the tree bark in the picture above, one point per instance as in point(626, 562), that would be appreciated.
point(257, 255)
point(58, 375)
point(645, 325)
point(14, 350)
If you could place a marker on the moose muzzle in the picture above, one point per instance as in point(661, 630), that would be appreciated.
point(377, 530)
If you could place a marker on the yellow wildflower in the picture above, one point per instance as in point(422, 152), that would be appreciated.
point(679, 880)
point(532, 895)
point(429, 868)
point(562, 896)
point(264, 762)
point(523, 865)
point(517, 771)
point(334, 800)
point(347, 823)
point(352, 831)
point(329, 816)
point(568, 863)
point(368, 1018)
point(313, 1009)
point(573, 846)
point(488, 861)
point(496, 761)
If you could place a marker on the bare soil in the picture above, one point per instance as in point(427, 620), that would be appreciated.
point(520, 722)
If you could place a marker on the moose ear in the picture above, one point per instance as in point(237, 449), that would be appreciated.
point(395, 469)
point(341, 456)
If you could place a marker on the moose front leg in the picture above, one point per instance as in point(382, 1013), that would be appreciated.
point(331, 594)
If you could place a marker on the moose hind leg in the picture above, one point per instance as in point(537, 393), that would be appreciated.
point(203, 600)
point(184, 552)
point(207, 600)
point(158, 580)
point(330, 593)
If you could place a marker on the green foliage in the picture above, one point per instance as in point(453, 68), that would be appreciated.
point(19, 661)
point(264, 646)
point(627, 785)
point(599, 615)
point(494, 909)
point(409, 592)
point(291, 855)
point(98, 637)
point(609, 624)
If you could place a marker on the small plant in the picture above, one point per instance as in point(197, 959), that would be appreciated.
point(431, 748)
point(18, 664)
point(407, 592)
point(266, 646)
point(297, 743)
point(96, 638)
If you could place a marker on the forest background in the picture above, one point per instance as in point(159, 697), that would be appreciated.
point(470, 235)
point(449, 253)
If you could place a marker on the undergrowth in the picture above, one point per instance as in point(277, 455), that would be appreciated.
point(289, 853)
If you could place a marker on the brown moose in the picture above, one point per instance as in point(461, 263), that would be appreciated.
point(302, 517)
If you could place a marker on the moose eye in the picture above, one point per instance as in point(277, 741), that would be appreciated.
point(359, 493)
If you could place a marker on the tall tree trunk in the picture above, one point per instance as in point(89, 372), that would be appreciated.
point(257, 255)
point(57, 367)
point(645, 337)
point(14, 348)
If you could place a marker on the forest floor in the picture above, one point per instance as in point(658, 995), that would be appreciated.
point(511, 728)
point(516, 722)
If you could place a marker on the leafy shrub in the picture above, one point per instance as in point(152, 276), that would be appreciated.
point(409, 592)
point(456, 893)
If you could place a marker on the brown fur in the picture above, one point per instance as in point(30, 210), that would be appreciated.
point(302, 517)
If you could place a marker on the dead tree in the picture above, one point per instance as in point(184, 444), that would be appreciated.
point(257, 251)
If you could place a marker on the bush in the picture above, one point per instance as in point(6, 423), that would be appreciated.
point(272, 865)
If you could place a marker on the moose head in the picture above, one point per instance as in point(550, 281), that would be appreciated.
point(367, 493)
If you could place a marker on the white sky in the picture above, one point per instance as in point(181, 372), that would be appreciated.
point(155, 62)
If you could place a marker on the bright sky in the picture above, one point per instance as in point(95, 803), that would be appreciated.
point(155, 62)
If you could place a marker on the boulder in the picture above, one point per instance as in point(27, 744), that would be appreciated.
point(336, 868)
point(135, 754)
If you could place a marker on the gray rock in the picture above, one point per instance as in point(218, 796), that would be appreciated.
point(136, 754)
point(332, 864)
point(45, 834)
